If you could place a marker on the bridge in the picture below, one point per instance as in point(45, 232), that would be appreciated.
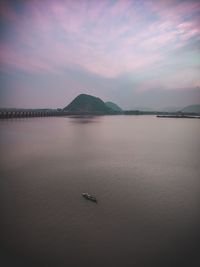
point(4, 114)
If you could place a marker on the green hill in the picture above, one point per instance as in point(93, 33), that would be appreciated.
point(84, 104)
point(113, 106)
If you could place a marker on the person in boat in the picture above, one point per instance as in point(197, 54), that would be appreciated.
point(89, 197)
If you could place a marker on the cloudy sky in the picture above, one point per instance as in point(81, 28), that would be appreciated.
point(137, 53)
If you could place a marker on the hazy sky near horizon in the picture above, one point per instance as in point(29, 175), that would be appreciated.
point(133, 52)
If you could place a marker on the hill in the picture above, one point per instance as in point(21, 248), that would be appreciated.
point(192, 109)
point(84, 104)
point(113, 106)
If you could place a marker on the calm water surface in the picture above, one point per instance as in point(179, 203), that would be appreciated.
point(143, 170)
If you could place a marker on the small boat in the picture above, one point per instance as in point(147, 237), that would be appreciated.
point(89, 197)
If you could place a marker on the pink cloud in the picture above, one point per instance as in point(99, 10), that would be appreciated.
point(188, 30)
point(120, 7)
point(51, 35)
point(10, 58)
point(159, 41)
point(171, 10)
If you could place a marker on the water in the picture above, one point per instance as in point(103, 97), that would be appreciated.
point(143, 170)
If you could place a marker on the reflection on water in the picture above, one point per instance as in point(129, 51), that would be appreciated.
point(143, 170)
point(84, 118)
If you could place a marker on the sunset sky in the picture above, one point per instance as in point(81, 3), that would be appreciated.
point(136, 53)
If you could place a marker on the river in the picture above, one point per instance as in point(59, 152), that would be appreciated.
point(143, 170)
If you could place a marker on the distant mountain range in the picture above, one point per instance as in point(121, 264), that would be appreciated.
point(187, 109)
point(87, 104)
point(192, 109)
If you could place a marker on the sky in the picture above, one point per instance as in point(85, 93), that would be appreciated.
point(136, 53)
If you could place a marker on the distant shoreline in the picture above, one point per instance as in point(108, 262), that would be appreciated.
point(24, 113)
point(178, 116)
